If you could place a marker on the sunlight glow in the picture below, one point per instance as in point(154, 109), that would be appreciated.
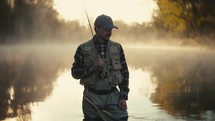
point(129, 11)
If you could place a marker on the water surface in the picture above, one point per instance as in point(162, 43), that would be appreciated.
point(165, 83)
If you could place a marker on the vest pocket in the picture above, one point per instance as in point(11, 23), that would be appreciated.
point(87, 56)
point(89, 81)
point(87, 50)
point(116, 63)
point(117, 78)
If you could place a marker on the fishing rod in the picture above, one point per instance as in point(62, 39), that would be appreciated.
point(102, 113)
point(88, 18)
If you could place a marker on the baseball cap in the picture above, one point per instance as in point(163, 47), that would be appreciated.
point(105, 22)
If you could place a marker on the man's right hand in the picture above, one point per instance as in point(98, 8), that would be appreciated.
point(97, 64)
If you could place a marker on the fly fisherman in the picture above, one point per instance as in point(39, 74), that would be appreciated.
point(101, 66)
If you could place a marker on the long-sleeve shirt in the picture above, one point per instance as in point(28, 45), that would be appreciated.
point(79, 70)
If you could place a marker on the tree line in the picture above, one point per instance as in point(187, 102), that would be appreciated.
point(38, 21)
point(187, 18)
point(33, 20)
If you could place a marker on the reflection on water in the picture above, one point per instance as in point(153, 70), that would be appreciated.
point(30, 73)
point(166, 84)
point(184, 79)
point(64, 104)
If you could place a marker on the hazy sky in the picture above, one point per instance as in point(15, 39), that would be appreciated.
point(128, 11)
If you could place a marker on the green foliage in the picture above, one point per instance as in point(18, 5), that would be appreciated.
point(188, 17)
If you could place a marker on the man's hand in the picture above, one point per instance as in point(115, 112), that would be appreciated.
point(122, 104)
point(97, 64)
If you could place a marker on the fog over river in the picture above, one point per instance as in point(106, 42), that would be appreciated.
point(166, 83)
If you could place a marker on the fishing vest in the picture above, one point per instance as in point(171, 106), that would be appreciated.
point(110, 75)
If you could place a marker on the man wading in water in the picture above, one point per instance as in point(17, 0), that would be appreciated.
point(101, 66)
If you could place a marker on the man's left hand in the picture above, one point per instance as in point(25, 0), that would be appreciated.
point(122, 104)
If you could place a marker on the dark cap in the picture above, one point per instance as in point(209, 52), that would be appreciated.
point(105, 22)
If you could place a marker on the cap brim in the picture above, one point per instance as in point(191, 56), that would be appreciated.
point(110, 27)
point(115, 27)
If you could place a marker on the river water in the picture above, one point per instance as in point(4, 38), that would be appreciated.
point(166, 83)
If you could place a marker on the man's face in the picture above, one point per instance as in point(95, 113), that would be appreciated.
point(103, 33)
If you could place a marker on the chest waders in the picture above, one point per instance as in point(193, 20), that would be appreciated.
point(109, 75)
